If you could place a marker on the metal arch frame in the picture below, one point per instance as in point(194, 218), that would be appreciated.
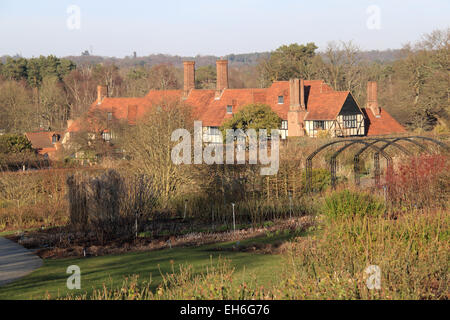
point(313, 154)
point(333, 160)
point(376, 160)
point(393, 142)
point(439, 143)
point(389, 141)
point(367, 145)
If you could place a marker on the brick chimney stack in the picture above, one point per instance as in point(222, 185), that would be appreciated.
point(372, 98)
point(102, 93)
point(222, 76)
point(297, 94)
point(132, 114)
point(297, 107)
point(189, 77)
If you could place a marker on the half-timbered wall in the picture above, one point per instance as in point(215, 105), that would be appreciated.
point(349, 125)
point(314, 128)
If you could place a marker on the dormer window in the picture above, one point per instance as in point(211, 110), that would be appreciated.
point(280, 99)
point(56, 138)
point(229, 109)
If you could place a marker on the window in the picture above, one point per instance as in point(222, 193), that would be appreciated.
point(213, 134)
point(319, 125)
point(106, 136)
point(229, 109)
point(214, 131)
point(109, 116)
point(284, 129)
point(349, 121)
point(55, 138)
point(280, 99)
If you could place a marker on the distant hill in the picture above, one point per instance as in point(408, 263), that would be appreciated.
point(235, 60)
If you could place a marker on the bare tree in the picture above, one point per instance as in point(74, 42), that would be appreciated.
point(342, 67)
point(81, 87)
point(53, 103)
point(16, 113)
point(149, 146)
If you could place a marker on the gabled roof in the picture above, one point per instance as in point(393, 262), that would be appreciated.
point(384, 124)
point(325, 106)
point(119, 107)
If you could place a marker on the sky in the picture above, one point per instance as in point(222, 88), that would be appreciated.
point(187, 28)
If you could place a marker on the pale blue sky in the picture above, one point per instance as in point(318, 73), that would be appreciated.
point(117, 27)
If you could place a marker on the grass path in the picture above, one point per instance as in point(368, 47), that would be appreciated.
point(95, 271)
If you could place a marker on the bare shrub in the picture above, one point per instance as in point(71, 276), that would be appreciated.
point(77, 194)
point(137, 202)
point(110, 205)
point(32, 199)
point(421, 183)
point(104, 193)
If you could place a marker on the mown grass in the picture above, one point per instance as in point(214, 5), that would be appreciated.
point(50, 280)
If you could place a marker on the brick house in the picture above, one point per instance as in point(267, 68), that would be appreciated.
point(46, 143)
point(306, 107)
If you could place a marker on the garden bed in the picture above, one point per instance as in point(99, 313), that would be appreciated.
point(56, 243)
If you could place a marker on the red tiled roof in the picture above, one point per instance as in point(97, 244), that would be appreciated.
point(384, 124)
point(119, 107)
point(322, 103)
point(214, 113)
point(211, 111)
point(42, 139)
point(325, 106)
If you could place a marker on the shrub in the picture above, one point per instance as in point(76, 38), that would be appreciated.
point(411, 252)
point(216, 283)
point(78, 215)
point(109, 205)
point(12, 143)
point(321, 180)
point(348, 204)
point(103, 203)
point(421, 183)
point(16, 151)
point(32, 199)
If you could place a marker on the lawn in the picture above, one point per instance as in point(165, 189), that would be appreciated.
point(50, 280)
